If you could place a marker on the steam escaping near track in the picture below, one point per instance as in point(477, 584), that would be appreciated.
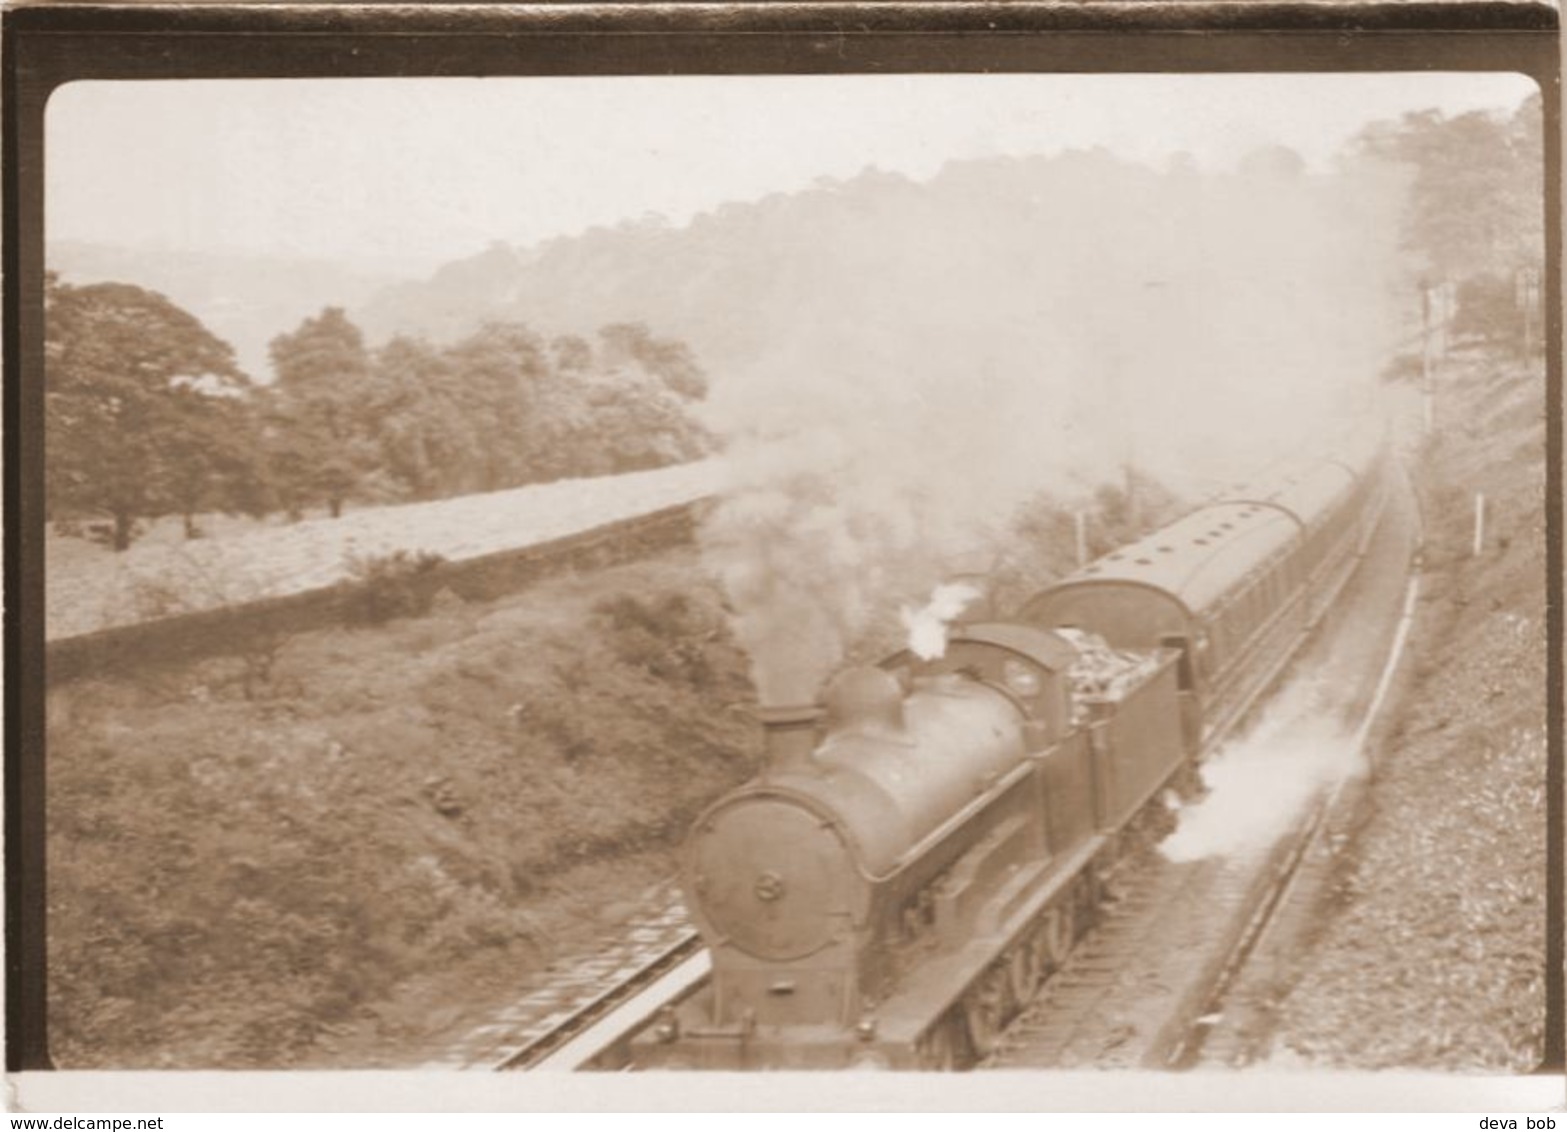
point(927, 625)
point(1262, 782)
point(936, 354)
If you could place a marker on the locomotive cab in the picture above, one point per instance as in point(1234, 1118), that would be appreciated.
point(1025, 664)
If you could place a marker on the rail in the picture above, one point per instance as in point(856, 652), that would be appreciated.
point(598, 1025)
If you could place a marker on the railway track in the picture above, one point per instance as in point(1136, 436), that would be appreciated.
point(590, 1031)
point(1278, 881)
point(1138, 986)
point(554, 1020)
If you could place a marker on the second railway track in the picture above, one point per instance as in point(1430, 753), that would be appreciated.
point(1138, 991)
point(568, 1003)
point(590, 1029)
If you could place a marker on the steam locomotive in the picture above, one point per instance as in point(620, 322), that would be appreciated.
point(926, 845)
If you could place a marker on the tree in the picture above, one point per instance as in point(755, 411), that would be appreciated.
point(1278, 162)
point(288, 454)
point(572, 354)
point(499, 373)
point(668, 359)
point(214, 459)
point(1476, 210)
point(141, 405)
point(634, 422)
point(425, 442)
point(323, 378)
point(1476, 195)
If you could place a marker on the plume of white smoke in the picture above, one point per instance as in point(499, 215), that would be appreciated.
point(939, 353)
point(927, 625)
point(1259, 784)
point(834, 513)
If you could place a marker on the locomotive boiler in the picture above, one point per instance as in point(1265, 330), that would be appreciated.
point(927, 842)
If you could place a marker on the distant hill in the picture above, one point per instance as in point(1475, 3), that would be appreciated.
point(1123, 295)
point(1102, 297)
point(730, 282)
point(245, 300)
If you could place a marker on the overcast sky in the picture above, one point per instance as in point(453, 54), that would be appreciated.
point(415, 172)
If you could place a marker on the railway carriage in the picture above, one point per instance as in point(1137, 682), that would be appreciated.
point(1234, 587)
point(927, 842)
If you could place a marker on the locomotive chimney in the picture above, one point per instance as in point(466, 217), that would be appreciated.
point(789, 735)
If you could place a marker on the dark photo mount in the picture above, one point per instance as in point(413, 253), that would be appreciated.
point(46, 45)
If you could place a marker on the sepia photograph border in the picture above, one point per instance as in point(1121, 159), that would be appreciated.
point(47, 45)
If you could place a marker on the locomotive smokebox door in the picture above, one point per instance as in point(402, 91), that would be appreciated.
point(773, 878)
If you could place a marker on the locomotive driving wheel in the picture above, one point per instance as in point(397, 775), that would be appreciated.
point(984, 1009)
point(1090, 892)
point(1055, 938)
point(1025, 971)
point(939, 1046)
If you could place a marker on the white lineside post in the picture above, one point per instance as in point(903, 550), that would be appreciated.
point(1479, 543)
point(1081, 525)
point(1450, 316)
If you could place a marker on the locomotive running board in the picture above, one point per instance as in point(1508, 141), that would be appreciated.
point(905, 1017)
